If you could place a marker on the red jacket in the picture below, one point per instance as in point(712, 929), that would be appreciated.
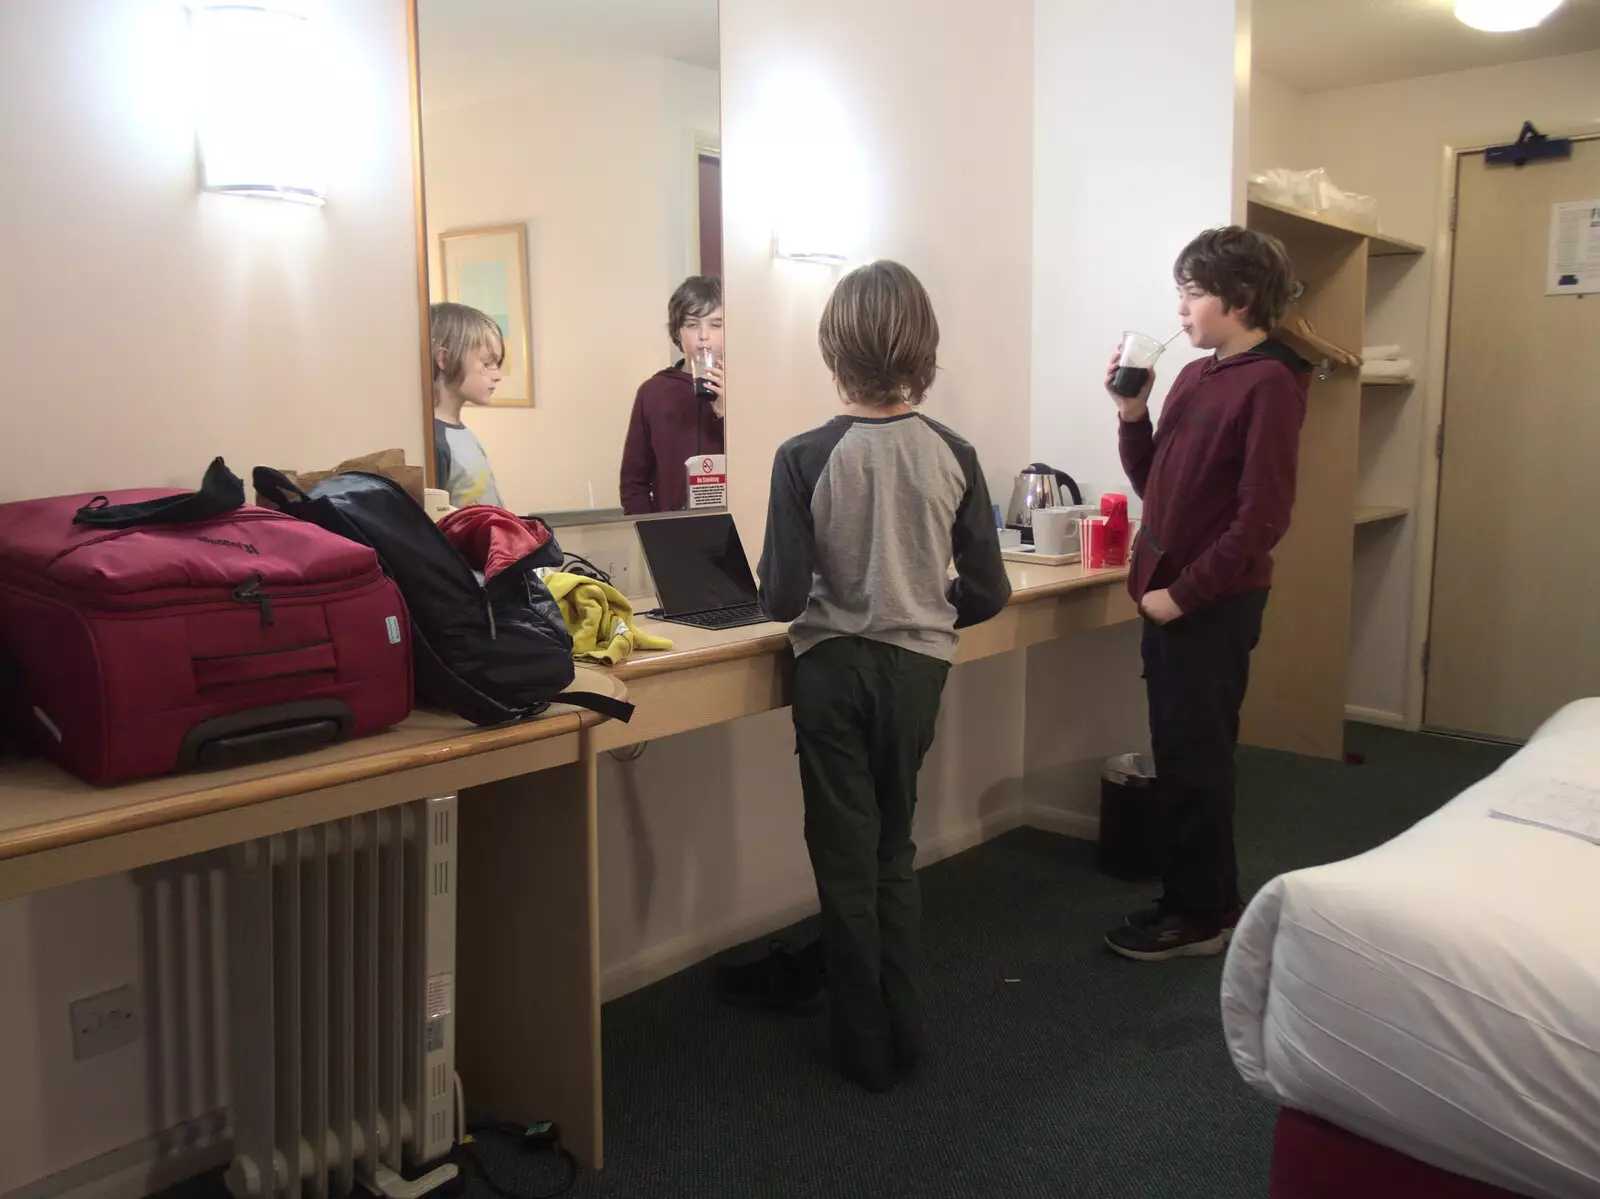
point(1218, 477)
point(493, 540)
point(670, 424)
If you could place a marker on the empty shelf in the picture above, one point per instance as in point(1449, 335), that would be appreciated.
point(1371, 514)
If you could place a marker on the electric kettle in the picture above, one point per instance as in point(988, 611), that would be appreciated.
point(1039, 486)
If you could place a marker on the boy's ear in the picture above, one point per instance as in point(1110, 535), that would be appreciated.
point(438, 359)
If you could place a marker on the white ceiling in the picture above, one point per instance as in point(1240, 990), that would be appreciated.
point(1319, 45)
point(465, 44)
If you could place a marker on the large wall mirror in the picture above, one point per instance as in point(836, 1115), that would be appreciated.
point(571, 171)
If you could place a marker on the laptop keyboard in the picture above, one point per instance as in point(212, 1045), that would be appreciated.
point(723, 618)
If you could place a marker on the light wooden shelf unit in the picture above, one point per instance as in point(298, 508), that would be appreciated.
point(1372, 514)
point(1264, 213)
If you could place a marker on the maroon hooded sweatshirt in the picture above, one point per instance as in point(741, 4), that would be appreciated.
point(1218, 477)
point(669, 425)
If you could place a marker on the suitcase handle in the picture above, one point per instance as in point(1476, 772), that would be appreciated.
point(261, 734)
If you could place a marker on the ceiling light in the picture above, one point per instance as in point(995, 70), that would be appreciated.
point(1504, 16)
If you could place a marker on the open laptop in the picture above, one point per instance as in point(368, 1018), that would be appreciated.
point(702, 576)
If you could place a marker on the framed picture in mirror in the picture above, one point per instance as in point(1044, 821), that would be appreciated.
point(487, 269)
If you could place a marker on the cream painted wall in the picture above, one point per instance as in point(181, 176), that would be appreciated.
point(1277, 120)
point(148, 328)
point(595, 152)
point(1388, 141)
point(940, 130)
point(1118, 195)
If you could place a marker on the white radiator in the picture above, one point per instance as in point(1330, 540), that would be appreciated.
point(341, 968)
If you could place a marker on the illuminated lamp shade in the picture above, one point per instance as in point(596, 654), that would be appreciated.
point(260, 101)
point(1504, 16)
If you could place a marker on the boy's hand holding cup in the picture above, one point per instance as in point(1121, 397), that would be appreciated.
point(1131, 374)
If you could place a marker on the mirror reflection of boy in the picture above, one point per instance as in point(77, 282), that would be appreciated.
point(671, 422)
point(468, 353)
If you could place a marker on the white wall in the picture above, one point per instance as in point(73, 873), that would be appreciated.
point(595, 151)
point(148, 328)
point(1132, 157)
point(1388, 141)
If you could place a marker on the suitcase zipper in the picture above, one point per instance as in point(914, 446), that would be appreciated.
point(249, 592)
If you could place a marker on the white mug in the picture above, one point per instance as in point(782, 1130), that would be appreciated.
point(1056, 531)
point(436, 503)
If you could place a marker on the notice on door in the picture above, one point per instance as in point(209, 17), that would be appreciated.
point(1574, 268)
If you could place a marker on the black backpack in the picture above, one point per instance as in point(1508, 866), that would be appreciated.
point(489, 653)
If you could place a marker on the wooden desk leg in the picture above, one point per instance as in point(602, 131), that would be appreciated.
point(528, 952)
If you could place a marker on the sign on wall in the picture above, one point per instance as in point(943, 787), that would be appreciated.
point(1574, 267)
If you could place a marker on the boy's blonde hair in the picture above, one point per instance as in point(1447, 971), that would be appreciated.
point(879, 337)
point(459, 330)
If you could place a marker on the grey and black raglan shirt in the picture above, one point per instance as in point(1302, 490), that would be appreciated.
point(864, 520)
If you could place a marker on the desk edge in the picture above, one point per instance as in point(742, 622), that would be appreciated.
point(93, 826)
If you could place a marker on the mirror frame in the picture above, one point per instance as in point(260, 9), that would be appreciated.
point(419, 202)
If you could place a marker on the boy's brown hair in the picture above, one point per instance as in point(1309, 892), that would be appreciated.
point(459, 330)
point(1244, 269)
point(879, 336)
point(698, 295)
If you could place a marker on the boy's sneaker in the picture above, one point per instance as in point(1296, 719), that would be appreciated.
point(1155, 914)
point(1165, 938)
point(780, 982)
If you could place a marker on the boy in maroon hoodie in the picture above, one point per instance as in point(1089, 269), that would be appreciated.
point(1218, 483)
point(671, 420)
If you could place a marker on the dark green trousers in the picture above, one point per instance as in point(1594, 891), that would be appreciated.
point(864, 716)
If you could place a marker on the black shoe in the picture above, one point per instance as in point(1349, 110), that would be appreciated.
point(1155, 914)
point(1163, 939)
point(875, 1077)
point(780, 982)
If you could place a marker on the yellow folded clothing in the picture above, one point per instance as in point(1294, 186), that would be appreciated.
point(600, 619)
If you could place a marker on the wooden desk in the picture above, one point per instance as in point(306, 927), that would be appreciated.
point(711, 676)
point(528, 945)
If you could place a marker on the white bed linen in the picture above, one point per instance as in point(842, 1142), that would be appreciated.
point(1441, 994)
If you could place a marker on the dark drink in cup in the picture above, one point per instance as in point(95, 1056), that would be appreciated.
point(1130, 380)
point(700, 365)
point(1136, 360)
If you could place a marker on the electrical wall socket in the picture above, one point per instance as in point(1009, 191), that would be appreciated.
point(620, 570)
point(103, 1022)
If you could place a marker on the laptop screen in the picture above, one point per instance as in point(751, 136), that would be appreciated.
point(697, 562)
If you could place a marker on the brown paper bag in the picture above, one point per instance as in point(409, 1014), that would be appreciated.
point(389, 463)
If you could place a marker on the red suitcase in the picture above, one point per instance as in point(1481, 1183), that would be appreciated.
point(211, 642)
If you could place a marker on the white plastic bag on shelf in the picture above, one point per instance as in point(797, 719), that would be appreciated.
point(1314, 192)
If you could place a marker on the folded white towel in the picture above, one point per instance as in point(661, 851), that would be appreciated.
point(1380, 352)
point(1387, 369)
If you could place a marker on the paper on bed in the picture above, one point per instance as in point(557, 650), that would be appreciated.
point(1564, 807)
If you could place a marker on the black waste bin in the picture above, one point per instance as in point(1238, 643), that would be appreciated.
point(1132, 819)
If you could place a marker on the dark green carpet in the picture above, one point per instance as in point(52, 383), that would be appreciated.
point(1088, 1076)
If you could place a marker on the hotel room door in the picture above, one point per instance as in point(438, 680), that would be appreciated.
point(1515, 629)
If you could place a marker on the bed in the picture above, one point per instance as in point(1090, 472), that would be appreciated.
point(1438, 997)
